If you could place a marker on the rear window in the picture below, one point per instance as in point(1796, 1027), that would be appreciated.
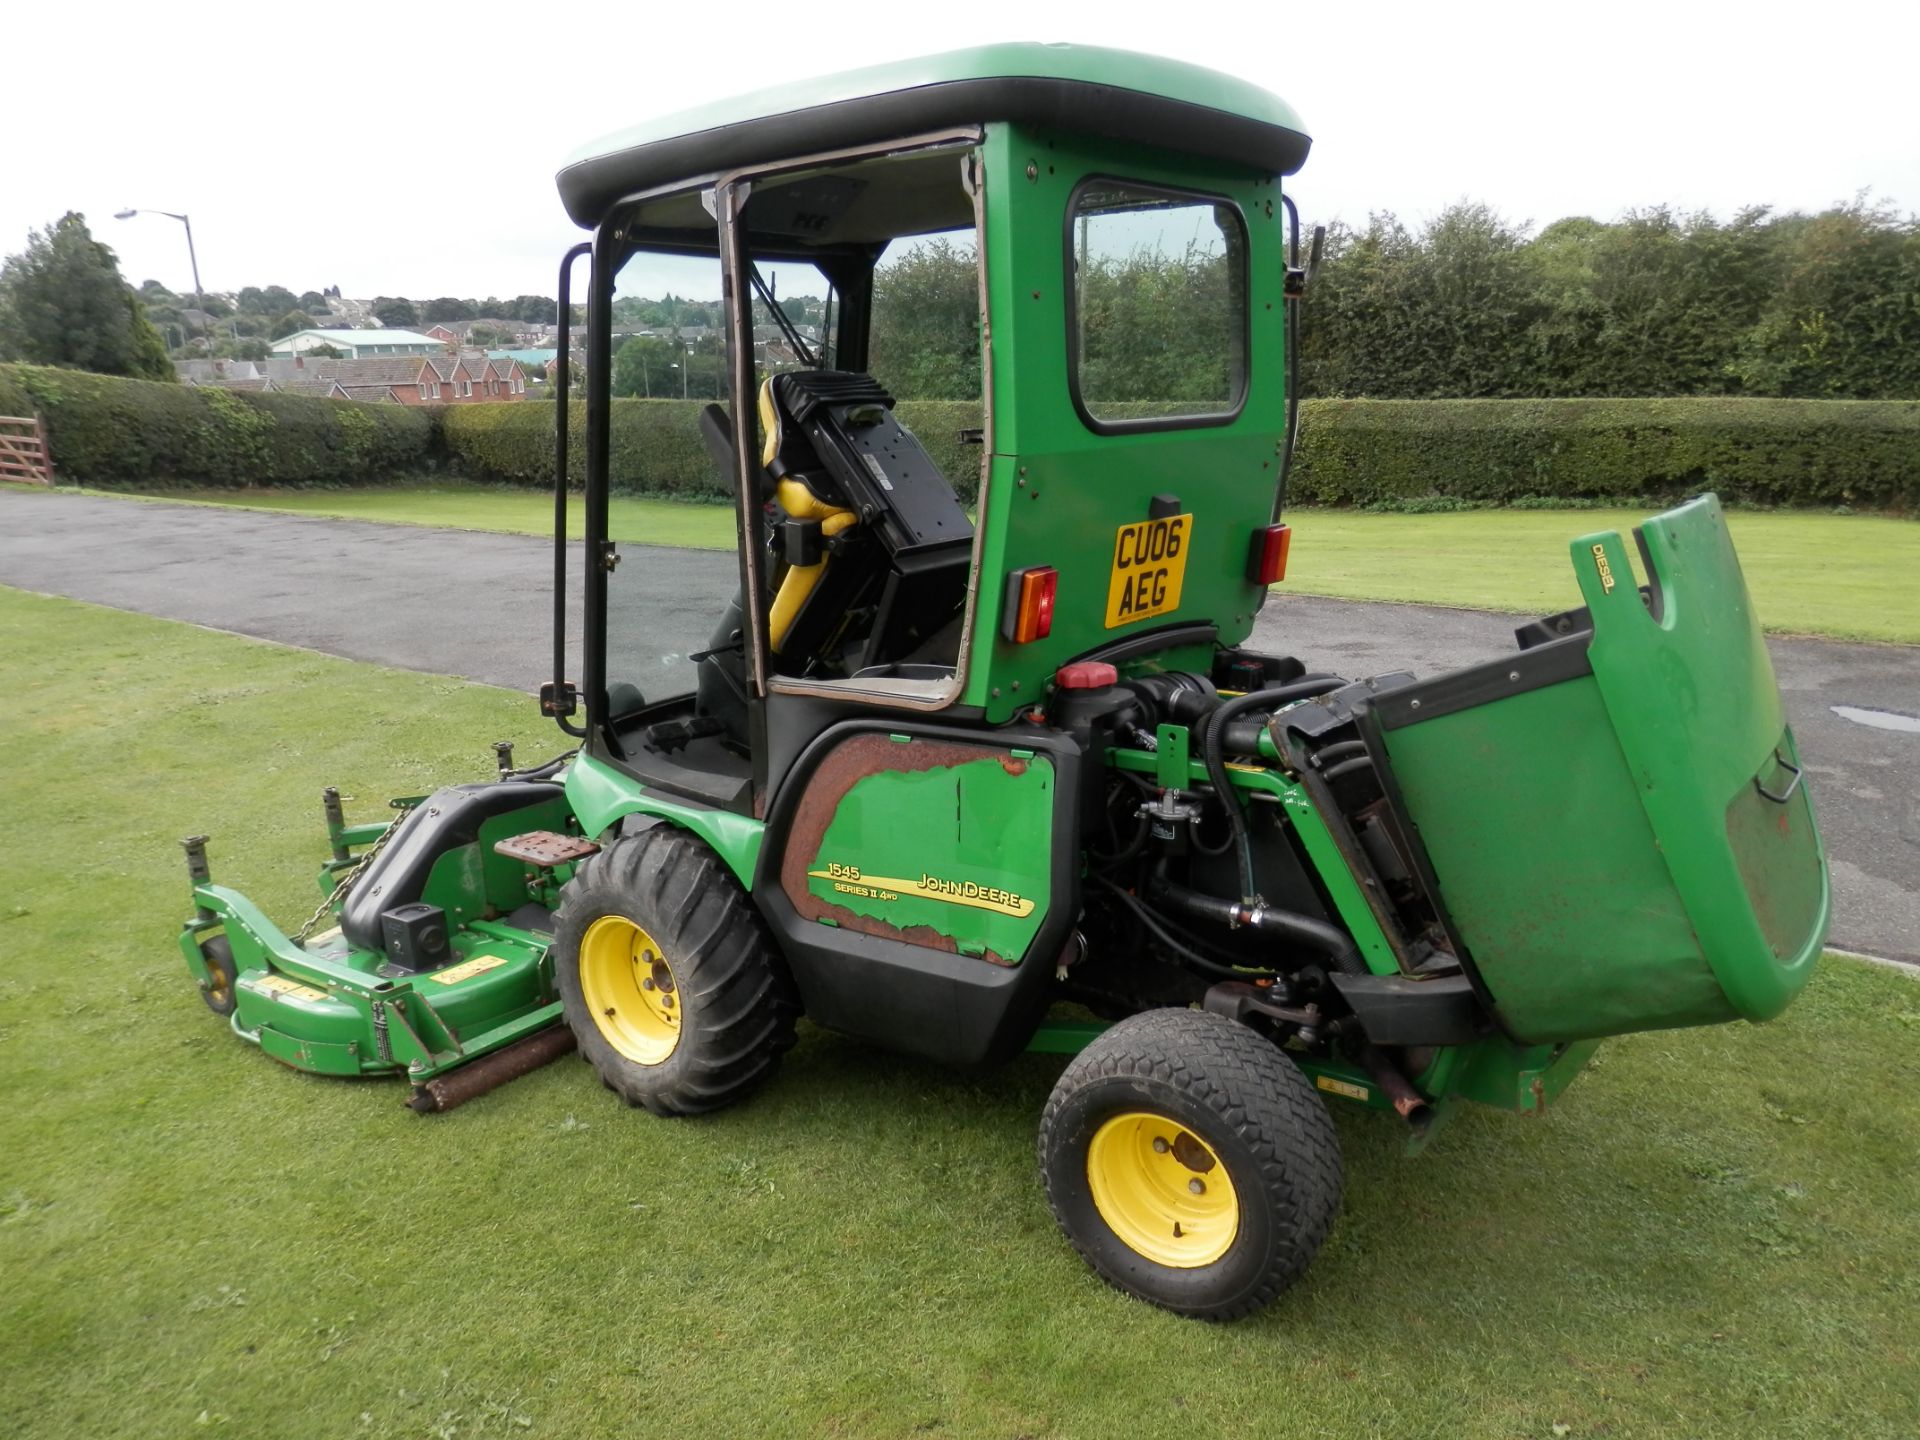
point(1157, 327)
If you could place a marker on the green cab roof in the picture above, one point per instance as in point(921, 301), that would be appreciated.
point(1115, 94)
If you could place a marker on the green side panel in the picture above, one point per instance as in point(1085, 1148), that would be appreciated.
point(600, 795)
point(1694, 701)
point(1056, 491)
point(1548, 867)
point(292, 1013)
point(964, 850)
point(318, 1056)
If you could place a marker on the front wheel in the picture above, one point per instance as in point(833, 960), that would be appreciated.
point(667, 976)
point(1190, 1163)
point(218, 988)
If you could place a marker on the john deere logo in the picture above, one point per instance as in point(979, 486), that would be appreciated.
point(848, 880)
point(1606, 570)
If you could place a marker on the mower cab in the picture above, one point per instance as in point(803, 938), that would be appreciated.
point(972, 753)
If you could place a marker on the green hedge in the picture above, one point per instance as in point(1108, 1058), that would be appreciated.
point(104, 430)
point(657, 448)
point(1862, 453)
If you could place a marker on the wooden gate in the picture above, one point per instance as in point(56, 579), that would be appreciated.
point(23, 451)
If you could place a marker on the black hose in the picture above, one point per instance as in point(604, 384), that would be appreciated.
point(1328, 754)
point(1329, 940)
point(1347, 767)
point(1173, 942)
point(542, 771)
point(1213, 750)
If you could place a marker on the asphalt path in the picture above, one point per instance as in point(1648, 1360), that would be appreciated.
point(478, 605)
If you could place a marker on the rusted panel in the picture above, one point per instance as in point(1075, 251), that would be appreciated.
point(852, 761)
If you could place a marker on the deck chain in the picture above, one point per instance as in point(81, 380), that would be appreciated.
point(336, 897)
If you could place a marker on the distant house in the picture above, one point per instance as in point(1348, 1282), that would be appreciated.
point(257, 376)
point(358, 344)
point(438, 379)
point(536, 358)
point(459, 333)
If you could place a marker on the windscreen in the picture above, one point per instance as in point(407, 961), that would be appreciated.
point(671, 507)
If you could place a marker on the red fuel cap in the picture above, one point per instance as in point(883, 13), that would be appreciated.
point(1086, 675)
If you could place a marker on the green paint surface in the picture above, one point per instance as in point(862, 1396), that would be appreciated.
point(976, 827)
point(600, 795)
point(1057, 492)
point(1118, 69)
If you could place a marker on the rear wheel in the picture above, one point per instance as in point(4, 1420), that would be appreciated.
point(1190, 1163)
point(217, 988)
point(667, 977)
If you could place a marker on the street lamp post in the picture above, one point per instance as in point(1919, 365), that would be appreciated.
point(193, 260)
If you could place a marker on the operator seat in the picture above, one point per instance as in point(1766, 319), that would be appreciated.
point(872, 548)
point(869, 549)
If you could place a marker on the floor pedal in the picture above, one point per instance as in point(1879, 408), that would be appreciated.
point(545, 848)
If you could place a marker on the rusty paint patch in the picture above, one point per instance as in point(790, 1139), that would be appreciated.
point(851, 762)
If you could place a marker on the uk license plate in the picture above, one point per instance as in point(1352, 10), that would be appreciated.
point(1149, 563)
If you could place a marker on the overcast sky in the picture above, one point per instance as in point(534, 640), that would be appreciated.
point(410, 149)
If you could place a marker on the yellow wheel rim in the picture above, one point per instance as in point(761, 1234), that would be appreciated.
point(629, 990)
point(216, 984)
point(1162, 1190)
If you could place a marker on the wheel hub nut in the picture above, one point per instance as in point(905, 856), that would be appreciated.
point(1160, 1146)
point(1197, 1185)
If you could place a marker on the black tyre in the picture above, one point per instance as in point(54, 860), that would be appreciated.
point(1190, 1163)
point(668, 979)
point(217, 990)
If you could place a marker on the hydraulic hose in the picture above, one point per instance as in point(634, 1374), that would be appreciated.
point(1190, 956)
point(1317, 935)
point(1213, 751)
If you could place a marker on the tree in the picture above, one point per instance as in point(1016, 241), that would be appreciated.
point(643, 366)
point(446, 308)
point(926, 322)
point(291, 323)
point(395, 312)
point(63, 302)
point(272, 300)
point(311, 301)
point(322, 352)
point(531, 309)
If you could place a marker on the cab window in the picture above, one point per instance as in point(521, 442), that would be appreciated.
point(1158, 321)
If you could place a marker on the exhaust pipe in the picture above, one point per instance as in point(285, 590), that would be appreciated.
point(490, 1072)
point(1388, 1076)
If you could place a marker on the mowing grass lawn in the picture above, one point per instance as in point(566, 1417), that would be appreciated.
point(1713, 1233)
point(1849, 577)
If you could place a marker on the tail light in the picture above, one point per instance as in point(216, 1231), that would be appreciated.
point(1028, 612)
point(1267, 554)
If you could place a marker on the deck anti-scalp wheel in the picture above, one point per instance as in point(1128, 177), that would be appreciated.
point(221, 975)
point(1190, 1163)
point(672, 988)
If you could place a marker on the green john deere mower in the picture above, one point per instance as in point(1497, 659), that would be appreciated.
point(968, 783)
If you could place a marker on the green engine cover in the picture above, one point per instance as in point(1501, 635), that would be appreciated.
point(1627, 849)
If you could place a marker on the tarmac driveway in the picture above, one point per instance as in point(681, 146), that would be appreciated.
point(477, 605)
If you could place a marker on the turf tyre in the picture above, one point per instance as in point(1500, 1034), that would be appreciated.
point(1249, 1103)
point(219, 995)
point(738, 1001)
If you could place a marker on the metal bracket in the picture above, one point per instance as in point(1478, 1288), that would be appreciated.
point(1792, 785)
